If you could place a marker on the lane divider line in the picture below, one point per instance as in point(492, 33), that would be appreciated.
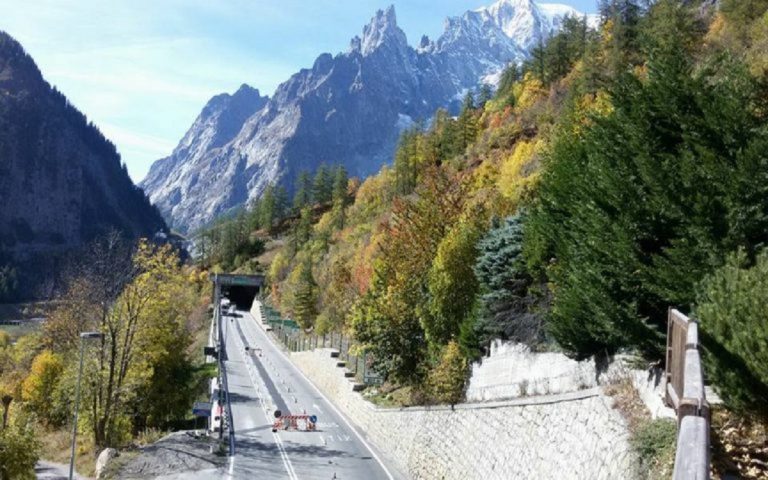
point(278, 441)
point(338, 412)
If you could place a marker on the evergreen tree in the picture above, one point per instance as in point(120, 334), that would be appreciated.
point(405, 169)
point(303, 228)
point(650, 199)
point(733, 308)
point(305, 297)
point(267, 208)
point(484, 95)
point(468, 126)
point(340, 194)
point(281, 202)
point(322, 185)
point(501, 272)
point(303, 194)
point(508, 79)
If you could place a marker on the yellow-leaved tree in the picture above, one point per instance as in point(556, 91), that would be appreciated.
point(39, 387)
point(138, 374)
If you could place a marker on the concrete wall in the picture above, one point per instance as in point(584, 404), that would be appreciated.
point(576, 435)
point(513, 371)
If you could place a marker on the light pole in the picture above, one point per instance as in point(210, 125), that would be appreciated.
point(83, 337)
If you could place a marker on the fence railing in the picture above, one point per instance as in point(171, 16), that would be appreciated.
point(685, 393)
point(358, 363)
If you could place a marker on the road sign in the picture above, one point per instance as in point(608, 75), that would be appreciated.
point(202, 409)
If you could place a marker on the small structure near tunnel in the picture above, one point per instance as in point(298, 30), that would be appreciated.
point(241, 290)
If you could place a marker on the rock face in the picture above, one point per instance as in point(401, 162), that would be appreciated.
point(347, 109)
point(61, 181)
point(104, 458)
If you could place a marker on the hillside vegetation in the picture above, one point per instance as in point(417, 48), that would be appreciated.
point(139, 379)
point(607, 179)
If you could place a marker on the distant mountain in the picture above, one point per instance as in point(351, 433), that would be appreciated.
point(347, 109)
point(61, 181)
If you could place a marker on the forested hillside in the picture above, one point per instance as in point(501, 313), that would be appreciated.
point(615, 174)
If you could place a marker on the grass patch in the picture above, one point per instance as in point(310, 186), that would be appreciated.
point(653, 440)
point(56, 445)
point(27, 327)
point(114, 467)
point(391, 396)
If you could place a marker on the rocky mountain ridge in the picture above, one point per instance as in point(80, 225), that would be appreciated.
point(347, 109)
point(61, 182)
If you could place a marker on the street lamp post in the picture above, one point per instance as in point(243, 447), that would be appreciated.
point(83, 337)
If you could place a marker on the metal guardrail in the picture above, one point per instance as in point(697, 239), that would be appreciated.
point(296, 340)
point(223, 372)
point(685, 393)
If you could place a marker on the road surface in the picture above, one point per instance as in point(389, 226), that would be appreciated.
point(263, 380)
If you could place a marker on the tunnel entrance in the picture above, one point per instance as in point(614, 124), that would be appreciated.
point(241, 296)
point(241, 290)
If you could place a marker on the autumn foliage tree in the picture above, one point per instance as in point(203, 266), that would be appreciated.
point(138, 374)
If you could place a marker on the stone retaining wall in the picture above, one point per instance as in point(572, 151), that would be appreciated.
point(575, 435)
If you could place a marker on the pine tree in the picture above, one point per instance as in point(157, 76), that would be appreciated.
point(267, 207)
point(732, 309)
point(484, 95)
point(303, 228)
point(405, 170)
point(650, 199)
point(322, 185)
point(340, 194)
point(503, 282)
point(303, 194)
point(305, 297)
point(508, 79)
point(468, 123)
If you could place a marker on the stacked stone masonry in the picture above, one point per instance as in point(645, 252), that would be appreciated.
point(577, 435)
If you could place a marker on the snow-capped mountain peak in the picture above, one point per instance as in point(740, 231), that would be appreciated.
point(348, 109)
point(527, 22)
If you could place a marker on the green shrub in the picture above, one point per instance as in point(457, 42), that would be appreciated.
point(654, 443)
point(446, 381)
point(733, 309)
point(19, 449)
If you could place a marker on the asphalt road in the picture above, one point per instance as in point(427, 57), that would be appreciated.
point(262, 380)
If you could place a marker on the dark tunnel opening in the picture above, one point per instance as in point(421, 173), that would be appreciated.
point(242, 296)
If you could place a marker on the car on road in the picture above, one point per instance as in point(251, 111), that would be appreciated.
point(218, 398)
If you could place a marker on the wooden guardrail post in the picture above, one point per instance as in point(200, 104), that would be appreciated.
point(685, 393)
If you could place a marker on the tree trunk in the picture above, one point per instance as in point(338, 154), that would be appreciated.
point(7, 399)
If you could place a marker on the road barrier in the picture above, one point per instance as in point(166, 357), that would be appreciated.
point(685, 393)
point(295, 422)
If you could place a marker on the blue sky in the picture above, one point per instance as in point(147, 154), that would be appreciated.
point(143, 69)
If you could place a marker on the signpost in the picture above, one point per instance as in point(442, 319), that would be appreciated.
point(202, 409)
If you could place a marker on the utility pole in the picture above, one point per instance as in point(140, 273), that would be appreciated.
point(83, 337)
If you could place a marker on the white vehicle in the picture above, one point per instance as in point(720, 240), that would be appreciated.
point(218, 397)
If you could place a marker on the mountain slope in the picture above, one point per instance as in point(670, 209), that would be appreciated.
point(349, 109)
point(61, 181)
